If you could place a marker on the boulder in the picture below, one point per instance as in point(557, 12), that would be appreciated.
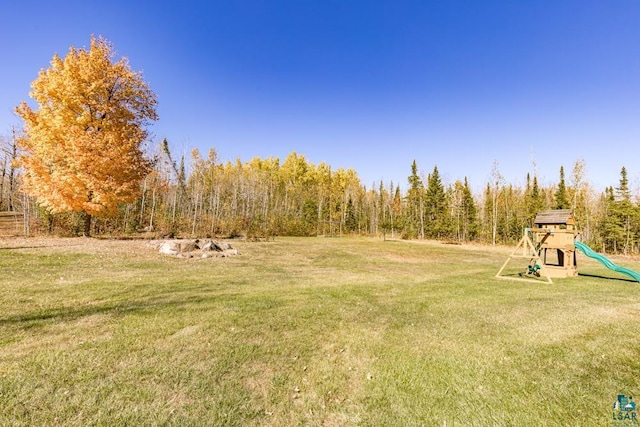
point(206, 245)
point(154, 244)
point(207, 248)
point(169, 247)
point(188, 245)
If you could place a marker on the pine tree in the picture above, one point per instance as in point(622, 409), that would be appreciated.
point(350, 222)
point(624, 213)
point(436, 206)
point(398, 219)
point(470, 213)
point(415, 203)
point(609, 228)
point(561, 196)
point(534, 202)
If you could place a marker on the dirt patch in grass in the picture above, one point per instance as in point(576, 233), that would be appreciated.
point(104, 248)
point(77, 244)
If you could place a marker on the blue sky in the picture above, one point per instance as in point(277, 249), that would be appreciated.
point(369, 85)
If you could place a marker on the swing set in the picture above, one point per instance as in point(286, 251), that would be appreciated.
point(549, 246)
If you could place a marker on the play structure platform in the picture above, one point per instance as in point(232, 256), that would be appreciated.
point(550, 246)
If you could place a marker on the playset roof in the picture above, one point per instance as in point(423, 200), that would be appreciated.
point(555, 216)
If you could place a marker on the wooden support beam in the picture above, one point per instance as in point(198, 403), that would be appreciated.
point(530, 251)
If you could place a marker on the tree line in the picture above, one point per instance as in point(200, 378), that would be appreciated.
point(266, 197)
point(80, 166)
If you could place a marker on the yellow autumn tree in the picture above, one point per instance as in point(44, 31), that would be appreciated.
point(83, 145)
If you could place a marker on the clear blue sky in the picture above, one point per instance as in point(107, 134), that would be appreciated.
point(369, 85)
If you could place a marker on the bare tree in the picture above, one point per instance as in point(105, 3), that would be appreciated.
point(497, 181)
point(8, 175)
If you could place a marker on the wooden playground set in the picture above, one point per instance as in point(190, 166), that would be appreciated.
point(550, 247)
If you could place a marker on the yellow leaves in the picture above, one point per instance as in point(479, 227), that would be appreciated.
point(83, 143)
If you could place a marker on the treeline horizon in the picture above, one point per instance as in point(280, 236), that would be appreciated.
point(267, 197)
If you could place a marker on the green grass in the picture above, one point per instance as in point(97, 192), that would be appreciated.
point(324, 332)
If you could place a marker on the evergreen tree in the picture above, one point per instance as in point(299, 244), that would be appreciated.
point(382, 217)
point(527, 199)
point(462, 211)
point(624, 212)
point(415, 204)
point(534, 202)
point(622, 192)
point(397, 219)
point(609, 229)
point(488, 215)
point(350, 223)
point(470, 213)
point(561, 196)
point(436, 206)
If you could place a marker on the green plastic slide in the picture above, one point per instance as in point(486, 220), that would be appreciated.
point(606, 261)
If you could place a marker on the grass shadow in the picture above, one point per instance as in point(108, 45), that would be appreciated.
point(160, 301)
point(598, 276)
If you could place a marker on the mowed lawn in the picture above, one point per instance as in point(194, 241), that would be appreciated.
point(308, 331)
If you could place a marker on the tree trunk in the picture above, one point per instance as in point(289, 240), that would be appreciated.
point(4, 172)
point(87, 225)
point(12, 169)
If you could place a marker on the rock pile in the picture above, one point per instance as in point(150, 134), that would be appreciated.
point(192, 248)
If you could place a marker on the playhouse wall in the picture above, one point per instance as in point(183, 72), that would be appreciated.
point(560, 272)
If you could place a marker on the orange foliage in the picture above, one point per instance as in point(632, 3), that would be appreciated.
point(83, 145)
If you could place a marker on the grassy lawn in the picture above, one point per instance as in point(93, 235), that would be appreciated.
point(308, 331)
